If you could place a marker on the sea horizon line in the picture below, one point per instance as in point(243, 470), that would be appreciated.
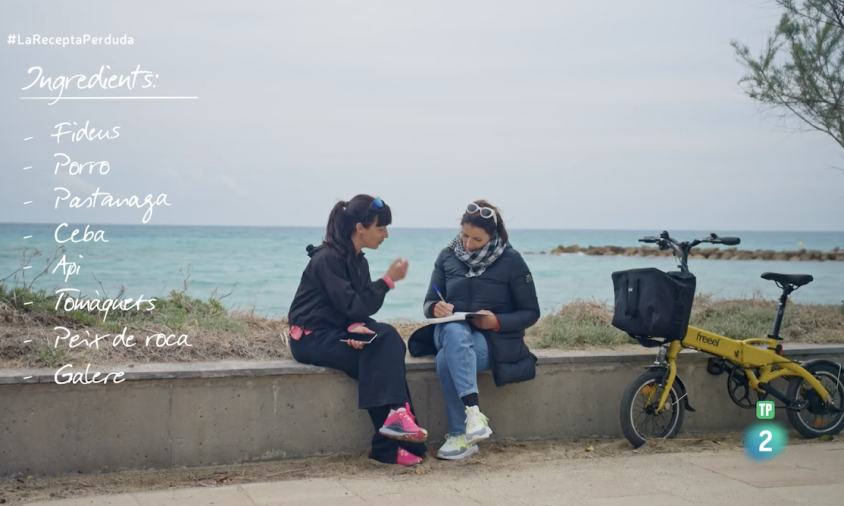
point(393, 227)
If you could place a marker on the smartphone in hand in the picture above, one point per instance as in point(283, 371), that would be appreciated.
point(360, 340)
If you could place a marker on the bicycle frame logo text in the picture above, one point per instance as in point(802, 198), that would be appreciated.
point(708, 340)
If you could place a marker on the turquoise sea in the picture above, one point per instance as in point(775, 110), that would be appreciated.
point(261, 267)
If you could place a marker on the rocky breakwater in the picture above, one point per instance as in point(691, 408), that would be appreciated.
point(705, 253)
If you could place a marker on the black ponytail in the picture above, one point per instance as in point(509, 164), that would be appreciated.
point(344, 217)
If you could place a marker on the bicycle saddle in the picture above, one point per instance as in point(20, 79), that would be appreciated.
point(789, 279)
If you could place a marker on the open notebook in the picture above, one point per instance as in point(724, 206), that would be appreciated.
point(454, 317)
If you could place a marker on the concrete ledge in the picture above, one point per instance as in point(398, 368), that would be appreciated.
point(196, 414)
point(248, 368)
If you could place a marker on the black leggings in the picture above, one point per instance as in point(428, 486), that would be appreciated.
point(379, 369)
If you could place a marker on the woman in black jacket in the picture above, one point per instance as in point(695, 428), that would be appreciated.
point(332, 326)
point(479, 272)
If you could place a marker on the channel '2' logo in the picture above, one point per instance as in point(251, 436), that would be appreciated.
point(765, 441)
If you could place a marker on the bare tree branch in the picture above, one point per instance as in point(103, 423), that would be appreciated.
point(800, 70)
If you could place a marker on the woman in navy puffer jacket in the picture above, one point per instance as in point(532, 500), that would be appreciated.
point(478, 271)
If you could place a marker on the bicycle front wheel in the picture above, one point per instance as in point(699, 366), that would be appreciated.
point(818, 419)
point(639, 419)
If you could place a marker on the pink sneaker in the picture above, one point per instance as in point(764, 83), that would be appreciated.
point(401, 425)
point(405, 458)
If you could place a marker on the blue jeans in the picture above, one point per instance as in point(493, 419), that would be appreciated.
point(462, 353)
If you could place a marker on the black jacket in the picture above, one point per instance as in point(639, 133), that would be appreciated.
point(505, 288)
point(335, 291)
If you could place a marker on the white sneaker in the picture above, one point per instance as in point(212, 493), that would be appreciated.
point(477, 425)
point(455, 448)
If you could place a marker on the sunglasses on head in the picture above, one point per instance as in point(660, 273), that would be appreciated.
point(486, 212)
point(377, 203)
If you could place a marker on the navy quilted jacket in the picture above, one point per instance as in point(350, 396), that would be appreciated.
point(505, 288)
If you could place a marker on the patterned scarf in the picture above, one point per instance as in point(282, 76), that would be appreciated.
point(478, 260)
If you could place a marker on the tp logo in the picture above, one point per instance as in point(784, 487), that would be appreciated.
point(765, 440)
point(765, 410)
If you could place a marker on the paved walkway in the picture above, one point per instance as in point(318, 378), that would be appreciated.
point(809, 474)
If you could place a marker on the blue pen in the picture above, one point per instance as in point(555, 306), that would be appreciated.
point(440, 294)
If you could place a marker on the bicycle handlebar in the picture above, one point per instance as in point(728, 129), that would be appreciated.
point(681, 250)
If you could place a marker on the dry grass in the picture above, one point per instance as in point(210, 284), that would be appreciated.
point(257, 339)
point(589, 323)
point(243, 336)
point(217, 334)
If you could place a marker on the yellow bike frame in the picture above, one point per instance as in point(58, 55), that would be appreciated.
point(743, 353)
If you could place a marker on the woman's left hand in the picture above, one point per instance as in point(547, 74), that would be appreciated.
point(358, 345)
point(360, 329)
point(485, 322)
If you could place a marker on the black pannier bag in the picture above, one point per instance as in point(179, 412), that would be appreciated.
point(650, 303)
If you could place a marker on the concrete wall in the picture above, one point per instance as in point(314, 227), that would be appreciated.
point(170, 415)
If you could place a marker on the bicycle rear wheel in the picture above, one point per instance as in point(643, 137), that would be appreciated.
point(818, 419)
point(638, 404)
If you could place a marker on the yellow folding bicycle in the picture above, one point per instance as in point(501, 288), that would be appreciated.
point(654, 307)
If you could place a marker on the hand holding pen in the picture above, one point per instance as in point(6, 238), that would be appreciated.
point(442, 308)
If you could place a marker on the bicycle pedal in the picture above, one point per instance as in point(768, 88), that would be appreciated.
point(715, 367)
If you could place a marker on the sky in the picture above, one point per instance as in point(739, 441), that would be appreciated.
point(572, 115)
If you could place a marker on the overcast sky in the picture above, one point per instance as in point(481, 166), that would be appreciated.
point(612, 115)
